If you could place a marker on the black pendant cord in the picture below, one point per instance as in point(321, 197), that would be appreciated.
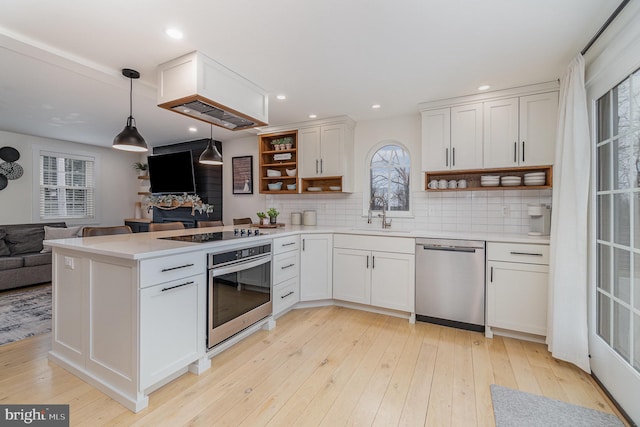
point(130, 98)
point(604, 26)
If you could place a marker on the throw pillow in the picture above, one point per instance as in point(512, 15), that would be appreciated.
point(4, 250)
point(52, 233)
point(25, 240)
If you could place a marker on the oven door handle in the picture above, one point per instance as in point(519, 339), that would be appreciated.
point(240, 266)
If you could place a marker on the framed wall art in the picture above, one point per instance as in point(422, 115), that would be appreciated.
point(242, 173)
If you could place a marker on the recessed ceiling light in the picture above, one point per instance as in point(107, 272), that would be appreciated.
point(192, 129)
point(312, 116)
point(174, 33)
point(281, 97)
point(483, 87)
point(375, 106)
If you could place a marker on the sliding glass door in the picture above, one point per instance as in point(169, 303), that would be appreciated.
point(615, 333)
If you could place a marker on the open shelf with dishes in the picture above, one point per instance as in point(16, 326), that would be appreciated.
point(325, 184)
point(475, 181)
point(278, 163)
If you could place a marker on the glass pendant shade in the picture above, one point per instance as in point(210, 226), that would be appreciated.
point(211, 155)
point(130, 139)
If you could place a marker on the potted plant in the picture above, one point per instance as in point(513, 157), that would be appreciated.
point(288, 142)
point(263, 218)
point(141, 167)
point(273, 215)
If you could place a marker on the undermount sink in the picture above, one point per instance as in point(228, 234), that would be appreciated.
point(382, 230)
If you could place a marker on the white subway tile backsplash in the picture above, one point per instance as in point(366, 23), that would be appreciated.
point(478, 211)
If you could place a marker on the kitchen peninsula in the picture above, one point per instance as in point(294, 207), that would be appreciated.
point(130, 311)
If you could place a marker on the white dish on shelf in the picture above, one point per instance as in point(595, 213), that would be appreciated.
point(273, 173)
point(335, 188)
point(291, 172)
point(535, 175)
point(532, 182)
point(275, 186)
point(490, 184)
point(314, 188)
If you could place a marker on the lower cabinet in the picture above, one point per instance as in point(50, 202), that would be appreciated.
point(517, 281)
point(316, 267)
point(375, 277)
point(170, 335)
point(286, 273)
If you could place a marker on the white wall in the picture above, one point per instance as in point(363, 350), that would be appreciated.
point(116, 180)
point(240, 205)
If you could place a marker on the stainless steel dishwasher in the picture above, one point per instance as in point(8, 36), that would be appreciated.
point(450, 282)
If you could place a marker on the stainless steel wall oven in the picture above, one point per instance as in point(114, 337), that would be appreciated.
point(239, 290)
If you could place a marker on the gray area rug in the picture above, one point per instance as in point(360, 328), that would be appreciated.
point(517, 408)
point(25, 313)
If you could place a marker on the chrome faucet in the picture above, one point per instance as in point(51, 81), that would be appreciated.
point(385, 223)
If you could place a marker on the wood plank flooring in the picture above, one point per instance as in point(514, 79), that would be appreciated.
point(328, 366)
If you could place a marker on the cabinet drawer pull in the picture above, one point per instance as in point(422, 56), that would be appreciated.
point(525, 253)
point(367, 261)
point(446, 157)
point(286, 266)
point(373, 261)
point(491, 279)
point(522, 151)
point(176, 268)
point(303, 244)
point(289, 294)
point(515, 152)
point(176, 286)
point(453, 156)
point(321, 168)
point(316, 165)
point(288, 244)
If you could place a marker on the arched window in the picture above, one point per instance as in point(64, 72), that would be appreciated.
point(389, 173)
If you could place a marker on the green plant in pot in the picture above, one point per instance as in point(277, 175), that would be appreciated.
point(263, 217)
point(273, 215)
point(141, 167)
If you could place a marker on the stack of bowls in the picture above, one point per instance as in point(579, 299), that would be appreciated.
point(535, 178)
point(510, 181)
point(273, 172)
point(489, 180)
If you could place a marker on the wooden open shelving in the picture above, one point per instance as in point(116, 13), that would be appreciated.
point(323, 182)
point(473, 178)
point(267, 161)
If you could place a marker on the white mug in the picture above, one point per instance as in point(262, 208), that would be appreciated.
point(433, 184)
point(462, 183)
point(453, 184)
point(442, 183)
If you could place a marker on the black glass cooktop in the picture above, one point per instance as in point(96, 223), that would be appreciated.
point(208, 237)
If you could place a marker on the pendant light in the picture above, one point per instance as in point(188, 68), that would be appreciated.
point(130, 139)
point(211, 155)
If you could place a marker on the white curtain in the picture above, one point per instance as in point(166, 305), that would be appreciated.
point(567, 334)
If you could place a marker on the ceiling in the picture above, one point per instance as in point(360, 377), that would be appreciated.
point(61, 60)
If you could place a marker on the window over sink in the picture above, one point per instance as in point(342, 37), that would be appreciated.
point(389, 166)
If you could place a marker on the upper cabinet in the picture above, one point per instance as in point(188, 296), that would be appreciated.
point(325, 153)
point(452, 138)
point(520, 131)
point(509, 128)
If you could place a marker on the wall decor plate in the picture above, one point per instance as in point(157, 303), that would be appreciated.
point(9, 154)
point(11, 170)
point(3, 182)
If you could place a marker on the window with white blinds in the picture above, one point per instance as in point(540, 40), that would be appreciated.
point(67, 186)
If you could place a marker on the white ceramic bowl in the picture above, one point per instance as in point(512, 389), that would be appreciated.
point(275, 186)
point(291, 186)
point(314, 188)
point(335, 188)
point(291, 172)
point(273, 172)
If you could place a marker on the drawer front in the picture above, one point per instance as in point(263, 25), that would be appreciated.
point(518, 252)
point(285, 266)
point(285, 295)
point(174, 267)
point(286, 244)
point(403, 245)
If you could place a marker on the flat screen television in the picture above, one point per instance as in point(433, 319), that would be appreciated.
point(171, 173)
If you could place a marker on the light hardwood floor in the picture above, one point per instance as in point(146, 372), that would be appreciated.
point(326, 366)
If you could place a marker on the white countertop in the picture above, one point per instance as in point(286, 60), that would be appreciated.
point(148, 245)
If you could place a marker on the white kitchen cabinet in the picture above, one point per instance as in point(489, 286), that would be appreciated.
point(326, 150)
point(170, 334)
point(452, 138)
point(517, 281)
point(365, 274)
point(520, 131)
point(316, 267)
point(122, 336)
point(286, 273)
